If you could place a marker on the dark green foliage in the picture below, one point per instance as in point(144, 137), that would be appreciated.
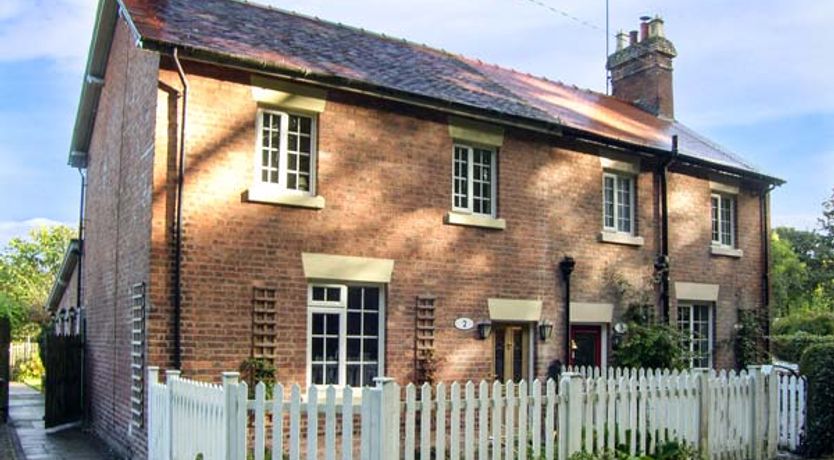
point(749, 343)
point(670, 450)
point(648, 344)
point(254, 370)
point(791, 347)
point(807, 321)
point(818, 367)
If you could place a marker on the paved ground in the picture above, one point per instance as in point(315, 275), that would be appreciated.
point(26, 418)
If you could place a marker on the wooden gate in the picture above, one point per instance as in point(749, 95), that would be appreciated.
point(64, 363)
point(5, 368)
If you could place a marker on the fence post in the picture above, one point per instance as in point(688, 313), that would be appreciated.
point(386, 439)
point(570, 421)
point(772, 412)
point(230, 395)
point(705, 403)
point(153, 377)
point(170, 376)
point(756, 424)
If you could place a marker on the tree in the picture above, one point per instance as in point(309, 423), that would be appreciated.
point(790, 276)
point(28, 268)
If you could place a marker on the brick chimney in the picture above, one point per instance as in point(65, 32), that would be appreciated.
point(641, 69)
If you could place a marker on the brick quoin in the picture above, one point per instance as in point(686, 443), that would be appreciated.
point(385, 171)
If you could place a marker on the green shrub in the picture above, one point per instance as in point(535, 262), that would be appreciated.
point(809, 322)
point(791, 347)
point(29, 370)
point(651, 346)
point(254, 370)
point(670, 450)
point(818, 366)
point(749, 343)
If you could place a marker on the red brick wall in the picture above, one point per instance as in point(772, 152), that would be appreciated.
point(118, 234)
point(385, 172)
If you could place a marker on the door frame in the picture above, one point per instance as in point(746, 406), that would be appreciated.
point(603, 340)
point(528, 330)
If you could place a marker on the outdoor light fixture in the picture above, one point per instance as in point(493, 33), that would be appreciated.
point(620, 330)
point(545, 330)
point(484, 329)
point(738, 327)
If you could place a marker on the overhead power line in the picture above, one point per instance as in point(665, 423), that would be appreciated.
point(568, 15)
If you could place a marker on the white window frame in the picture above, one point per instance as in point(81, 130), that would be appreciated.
point(632, 199)
point(340, 308)
point(281, 186)
point(710, 307)
point(722, 199)
point(470, 149)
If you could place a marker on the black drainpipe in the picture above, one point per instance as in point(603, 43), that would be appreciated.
point(566, 267)
point(662, 263)
point(80, 248)
point(763, 204)
point(178, 234)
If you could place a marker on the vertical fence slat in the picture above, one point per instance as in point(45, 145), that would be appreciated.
point(440, 424)
point(330, 424)
point(537, 418)
point(425, 422)
point(522, 419)
point(483, 421)
point(260, 415)
point(496, 420)
point(469, 422)
point(410, 413)
point(509, 422)
point(347, 424)
point(454, 421)
point(295, 422)
point(278, 421)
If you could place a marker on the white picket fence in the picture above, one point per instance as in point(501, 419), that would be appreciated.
point(22, 351)
point(725, 415)
point(792, 391)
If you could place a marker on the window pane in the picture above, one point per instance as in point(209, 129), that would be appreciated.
point(715, 220)
point(623, 198)
point(354, 323)
point(331, 349)
point(354, 375)
point(354, 347)
point(318, 349)
point(317, 375)
point(270, 135)
point(291, 181)
point(332, 325)
point(354, 297)
point(482, 181)
point(371, 324)
point(370, 372)
point(304, 144)
point(461, 171)
point(608, 201)
point(332, 372)
point(292, 162)
point(371, 298)
point(306, 125)
point(334, 294)
point(370, 350)
point(318, 324)
point(293, 123)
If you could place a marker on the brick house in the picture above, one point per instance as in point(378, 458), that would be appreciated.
point(261, 183)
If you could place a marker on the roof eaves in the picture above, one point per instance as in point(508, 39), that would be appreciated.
point(68, 266)
point(105, 24)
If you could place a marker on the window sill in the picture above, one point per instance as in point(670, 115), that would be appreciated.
point(472, 220)
point(620, 238)
point(260, 194)
point(726, 252)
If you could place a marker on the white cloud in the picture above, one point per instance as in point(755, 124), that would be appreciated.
point(12, 229)
point(56, 30)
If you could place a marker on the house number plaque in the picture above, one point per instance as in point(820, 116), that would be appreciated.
point(464, 324)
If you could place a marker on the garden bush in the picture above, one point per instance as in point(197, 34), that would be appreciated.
point(817, 365)
point(254, 370)
point(649, 344)
point(791, 347)
point(809, 322)
point(29, 370)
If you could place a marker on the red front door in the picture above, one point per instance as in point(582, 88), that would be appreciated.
point(586, 345)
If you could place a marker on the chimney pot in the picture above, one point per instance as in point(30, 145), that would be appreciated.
point(656, 27)
point(632, 37)
point(622, 40)
point(644, 30)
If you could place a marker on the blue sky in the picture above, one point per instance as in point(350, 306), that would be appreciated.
point(755, 76)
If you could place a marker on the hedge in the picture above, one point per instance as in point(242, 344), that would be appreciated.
point(790, 347)
point(810, 322)
point(818, 367)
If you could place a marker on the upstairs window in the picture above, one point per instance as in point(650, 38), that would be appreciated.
point(473, 180)
point(286, 154)
point(618, 203)
point(723, 220)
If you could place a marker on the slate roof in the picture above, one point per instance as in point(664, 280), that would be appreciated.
point(319, 48)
